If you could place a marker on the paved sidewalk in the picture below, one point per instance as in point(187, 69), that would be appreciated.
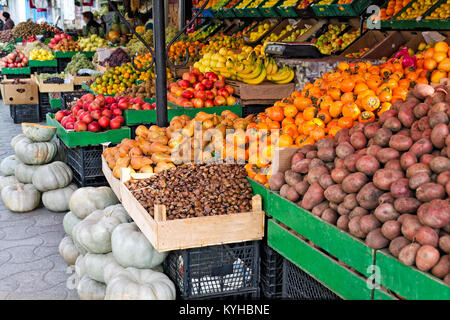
point(30, 265)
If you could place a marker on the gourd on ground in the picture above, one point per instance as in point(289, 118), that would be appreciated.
point(21, 197)
point(24, 172)
point(16, 139)
point(110, 270)
point(52, 176)
point(140, 284)
point(69, 221)
point(8, 165)
point(68, 251)
point(7, 181)
point(89, 289)
point(132, 249)
point(38, 132)
point(94, 265)
point(58, 200)
point(86, 200)
point(30, 152)
point(94, 233)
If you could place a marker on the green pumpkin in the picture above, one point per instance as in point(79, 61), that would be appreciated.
point(38, 132)
point(58, 200)
point(24, 172)
point(8, 165)
point(30, 152)
point(52, 176)
point(21, 197)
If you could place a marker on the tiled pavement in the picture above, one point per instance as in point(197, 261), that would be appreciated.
point(30, 265)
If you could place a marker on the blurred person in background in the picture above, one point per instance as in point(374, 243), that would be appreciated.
point(9, 24)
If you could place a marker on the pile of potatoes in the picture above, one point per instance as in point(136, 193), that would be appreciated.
point(147, 153)
point(387, 181)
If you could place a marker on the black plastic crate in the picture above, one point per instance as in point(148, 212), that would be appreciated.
point(71, 96)
point(212, 272)
point(62, 64)
point(24, 113)
point(253, 109)
point(271, 272)
point(89, 182)
point(85, 161)
point(40, 70)
point(298, 285)
point(44, 105)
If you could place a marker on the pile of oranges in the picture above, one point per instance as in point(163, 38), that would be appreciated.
point(434, 62)
point(177, 51)
point(392, 8)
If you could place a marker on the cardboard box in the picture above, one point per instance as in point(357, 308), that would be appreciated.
point(26, 92)
point(53, 87)
point(263, 91)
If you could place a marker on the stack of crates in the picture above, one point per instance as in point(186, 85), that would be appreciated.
point(271, 272)
point(226, 272)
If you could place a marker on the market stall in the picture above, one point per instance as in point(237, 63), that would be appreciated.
point(270, 149)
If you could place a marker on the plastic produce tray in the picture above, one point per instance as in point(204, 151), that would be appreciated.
point(288, 11)
point(271, 272)
point(327, 10)
point(16, 71)
point(270, 11)
point(24, 113)
point(353, 9)
point(86, 161)
point(70, 96)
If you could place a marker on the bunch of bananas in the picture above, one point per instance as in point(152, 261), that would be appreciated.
point(277, 75)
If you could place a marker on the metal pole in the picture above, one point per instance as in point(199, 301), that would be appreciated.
point(159, 36)
point(181, 14)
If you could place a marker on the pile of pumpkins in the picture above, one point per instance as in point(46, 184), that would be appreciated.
point(35, 170)
point(112, 258)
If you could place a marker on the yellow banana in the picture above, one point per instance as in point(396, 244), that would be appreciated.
point(259, 79)
point(280, 75)
point(255, 73)
point(269, 68)
point(274, 66)
point(288, 79)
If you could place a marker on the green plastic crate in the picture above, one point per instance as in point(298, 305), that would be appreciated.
point(24, 70)
point(287, 12)
point(271, 11)
point(323, 10)
point(436, 24)
point(409, 282)
point(338, 243)
point(48, 63)
point(55, 104)
point(70, 54)
point(262, 191)
point(341, 280)
point(353, 9)
point(86, 138)
point(406, 24)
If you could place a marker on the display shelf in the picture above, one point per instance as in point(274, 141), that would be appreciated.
point(342, 281)
point(11, 71)
point(353, 9)
point(47, 63)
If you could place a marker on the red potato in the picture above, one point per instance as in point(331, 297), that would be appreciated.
point(370, 129)
point(408, 254)
point(354, 227)
point(393, 165)
point(362, 152)
point(350, 161)
point(405, 216)
point(368, 223)
point(330, 166)
point(416, 133)
point(335, 193)
point(359, 127)
point(439, 107)
point(421, 147)
point(421, 91)
point(313, 196)
point(325, 181)
point(426, 158)
point(382, 137)
point(383, 178)
point(406, 205)
point(435, 214)
point(404, 132)
point(410, 227)
point(397, 245)
point(443, 178)
point(444, 243)
point(338, 174)
point(386, 212)
point(302, 187)
point(376, 240)
point(339, 163)
point(292, 194)
point(319, 209)
point(330, 216)
point(419, 179)
point(311, 154)
point(447, 188)
point(406, 116)
point(358, 140)
point(333, 205)
point(440, 164)
point(387, 154)
point(438, 117)
point(306, 148)
point(391, 229)
point(407, 159)
point(386, 115)
point(284, 189)
point(438, 135)
point(296, 158)
point(421, 110)
point(430, 191)
point(301, 166)
point(315, 173)
point(424, 124)
point(354, 182)
point(427, 236)
point(400, 142)
point(326, 153)
point(373, 150)
point(344, 149)
point(438, 96)
point(358, 211)
point(427, 257)
point(292, 178)
point(316, 163)
point(342, 223)
point(417, 168)
point(350, 201)
point(276, 181)
point(442, 268)
point(367, 164)
point(325, 143)
point(393, 124)
point(342, 133)
point(400, 189)
point(386, 198)
point(368, 196)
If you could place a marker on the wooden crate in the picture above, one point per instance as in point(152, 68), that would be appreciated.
point(114, 183)
point(166, 235)
point(52, 87)
point(341, 280)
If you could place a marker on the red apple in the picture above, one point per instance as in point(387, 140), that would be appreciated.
point(122, 105)
point(110, 100)
point(219, 84)
point(80, 126)
point(107, 113)
point(207, 83)
point(80, 103)
point(69, 126)
point(208, 103)
point(220, 101)
point(198, 103)
point(114, 123)
point(96, 114)
point(87, 118)
point(188, 104)
point(93, 126)
point(229, 89)
point(200, 94)
point(117, 112)
point(103, 122)
point(231, 100)
point(136, 106)
point(199, 87)
point(184, 84)
point(187, 94)
point(94, 106)
point(196, 72)
point(59, 115)
point(223, 93)
point(209, 95)
point(88, 97)
point(147, 106)
point(121, 119)
point(211, 76)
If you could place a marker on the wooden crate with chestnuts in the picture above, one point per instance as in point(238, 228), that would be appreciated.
point(167, 235)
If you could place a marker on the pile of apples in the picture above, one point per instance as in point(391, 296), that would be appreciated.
point(15, 59)
point(201, 90)
point(94, 114)
point(57, 38)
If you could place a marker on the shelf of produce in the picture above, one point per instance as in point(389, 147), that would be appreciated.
point(113, 182)
point(353, 9)
point(24, 70)
point(38, 63)
point(323, 10)
point(338, 243)
point(167, 235)
point(289, 11)
point(395, 23)
point(70, 54)
point(86, 138)
point(270, 11)
point(262, 191)
point(409, 282)
point(341, 280)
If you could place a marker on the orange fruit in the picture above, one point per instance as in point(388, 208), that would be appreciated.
point(347, 85)
point(429, 64)
point(444, 65)
point(285, 140)
point(336, 109)
point(439, 56)
point(441, 47)
point(290, 111)
point(437, 75)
